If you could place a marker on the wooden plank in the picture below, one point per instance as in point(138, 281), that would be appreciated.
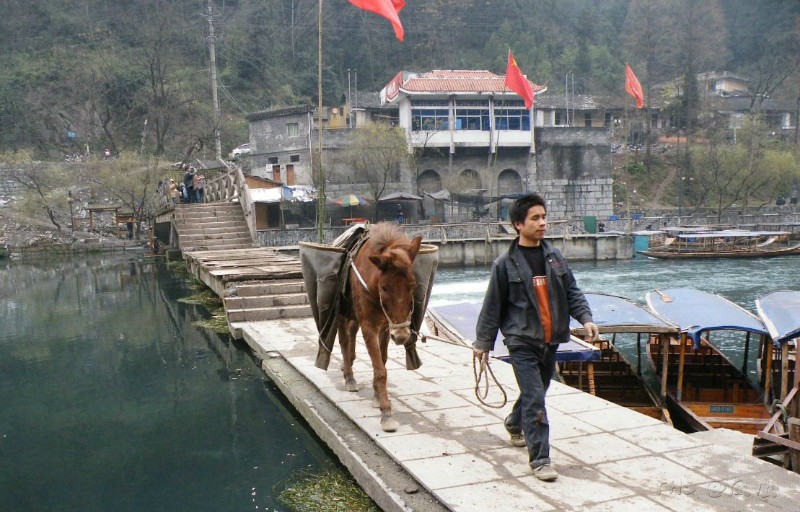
point(681, 362)
point(794, 435)
point(664, 367)
point(784, 370)
point(794, 445)
point(778, 414)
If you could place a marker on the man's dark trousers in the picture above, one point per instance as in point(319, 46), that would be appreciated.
point(534, 366)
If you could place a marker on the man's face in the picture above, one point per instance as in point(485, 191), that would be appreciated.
point(533, 229)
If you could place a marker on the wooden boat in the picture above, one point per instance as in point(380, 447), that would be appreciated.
point(730, 243)
point(618, 379)
point(699, 382)
point(456, 322)
point(780, 312)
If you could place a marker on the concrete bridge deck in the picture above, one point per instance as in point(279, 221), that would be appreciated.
point(451, 453)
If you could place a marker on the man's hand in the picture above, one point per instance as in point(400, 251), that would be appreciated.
point(592, 332)
point(481, 355)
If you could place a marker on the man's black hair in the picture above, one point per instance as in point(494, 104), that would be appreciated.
point(519, 210)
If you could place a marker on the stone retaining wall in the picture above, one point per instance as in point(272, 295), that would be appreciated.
point(8, 187)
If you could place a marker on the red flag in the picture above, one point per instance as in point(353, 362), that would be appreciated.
point(389, 9)
point(633, 87)
point(517, 82)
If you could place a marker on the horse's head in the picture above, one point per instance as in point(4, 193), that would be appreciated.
point(396, 285)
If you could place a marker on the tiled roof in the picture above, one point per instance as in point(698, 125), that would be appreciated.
point(477, 81)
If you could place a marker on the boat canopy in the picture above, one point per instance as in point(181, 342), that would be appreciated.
point(616, 314)
point(695, 311)
point(462, 317)
point(780, 311)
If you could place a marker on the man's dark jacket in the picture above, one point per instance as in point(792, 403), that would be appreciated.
point(510, 301)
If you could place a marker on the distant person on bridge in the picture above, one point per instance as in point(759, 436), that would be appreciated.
point(530, 297)
point(188, 183)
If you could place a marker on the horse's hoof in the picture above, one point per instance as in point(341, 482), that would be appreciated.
point(350, 385)
point(376, 402)
point(389, 424)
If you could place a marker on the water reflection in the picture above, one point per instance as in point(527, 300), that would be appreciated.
point(112, 400)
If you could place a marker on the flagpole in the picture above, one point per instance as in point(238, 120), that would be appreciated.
point(321, 171)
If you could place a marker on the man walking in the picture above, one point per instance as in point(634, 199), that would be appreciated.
point(531, 295)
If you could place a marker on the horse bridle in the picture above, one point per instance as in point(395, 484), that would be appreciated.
point(407, 323)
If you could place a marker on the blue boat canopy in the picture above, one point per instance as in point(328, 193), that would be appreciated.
point(695, 311)
point(463, 317)
point(613, 313)
point(780, 312)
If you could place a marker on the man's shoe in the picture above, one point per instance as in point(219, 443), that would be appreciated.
point(517, 439)
point(545, 472)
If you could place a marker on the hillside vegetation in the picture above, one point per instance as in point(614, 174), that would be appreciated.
point(133, 75)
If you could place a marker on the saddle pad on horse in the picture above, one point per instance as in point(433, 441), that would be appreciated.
point(325, 272)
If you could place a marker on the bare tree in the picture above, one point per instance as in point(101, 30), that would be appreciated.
point(131, 181)
point(377, 154)
point(45, 186)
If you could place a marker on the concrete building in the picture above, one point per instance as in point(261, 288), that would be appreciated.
point(475, 138)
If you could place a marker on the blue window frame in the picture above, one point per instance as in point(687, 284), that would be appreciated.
point(430, 115)
point(511, 115)
point(472, 115)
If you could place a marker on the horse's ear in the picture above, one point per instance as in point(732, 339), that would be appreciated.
point(379, 261)
point(414, 249)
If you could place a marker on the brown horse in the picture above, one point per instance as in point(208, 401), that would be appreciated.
point(381, 285)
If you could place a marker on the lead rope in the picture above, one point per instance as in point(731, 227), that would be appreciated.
point(481, 370)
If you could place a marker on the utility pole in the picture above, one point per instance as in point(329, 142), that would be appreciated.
point(321, 178)
point(212, 57)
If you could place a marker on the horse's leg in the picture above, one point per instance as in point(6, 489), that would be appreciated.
point(381, 395)
point(347, 342)
point(383, 343)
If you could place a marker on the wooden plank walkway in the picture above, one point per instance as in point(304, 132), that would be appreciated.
point(254, 283)
point(216, 269)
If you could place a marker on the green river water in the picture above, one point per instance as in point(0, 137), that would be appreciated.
point(112, 400)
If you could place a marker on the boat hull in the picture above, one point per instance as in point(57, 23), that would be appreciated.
point(714, 394)
point(678, 255)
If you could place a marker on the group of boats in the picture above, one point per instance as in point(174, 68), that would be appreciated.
point(686, 359)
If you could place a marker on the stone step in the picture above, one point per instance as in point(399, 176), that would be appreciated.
point(208, 217)
point(212, 225)
point(208, 206)
point(242, 228)
point(266, 288)
point(218, 246)
point(265, 301)
point(260, 314)
point(226, 235)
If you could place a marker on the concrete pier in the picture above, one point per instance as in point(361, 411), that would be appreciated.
point(452, 453)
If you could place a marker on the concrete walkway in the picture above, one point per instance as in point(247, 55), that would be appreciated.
point(451, 453)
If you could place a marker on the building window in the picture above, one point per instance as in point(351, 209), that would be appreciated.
point(608, 119)
point(472, 115)
point(587, 119)
point(559, 118)
point(272, 160)
point(430, 115)
point(292, 129)
point(512, 115)
point(294, 158)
